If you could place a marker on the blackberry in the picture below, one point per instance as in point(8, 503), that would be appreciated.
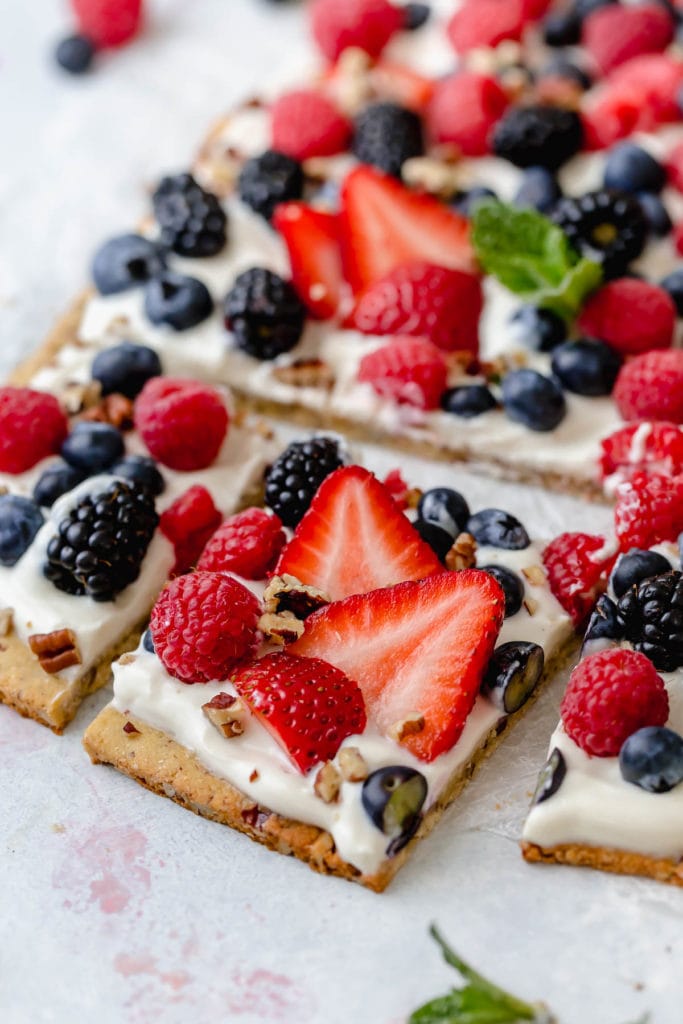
point(538, 136)
point(652, 611)
point(100, 544)
point(192, 220)
point(386, 135)
point(269, 179)
point(264, 313)
point(606, 226)
point(296, 475)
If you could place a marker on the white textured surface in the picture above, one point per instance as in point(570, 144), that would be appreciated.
point(117, 905)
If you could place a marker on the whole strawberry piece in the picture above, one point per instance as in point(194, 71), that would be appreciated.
point(247, 544)
point(188, 523)
point(650, 387)
point(649, 447)
point(182, 422)
point(614, 34)
point(463, 110)
point(32, 426)
point(308, 706)
point(108, 22)
point(409, 371)
point(631, 315)
point(366, 24)
point(649, 509)
point(304, 123)
point(577, 569)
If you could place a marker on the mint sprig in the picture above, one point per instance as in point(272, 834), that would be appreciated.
point(532, 257)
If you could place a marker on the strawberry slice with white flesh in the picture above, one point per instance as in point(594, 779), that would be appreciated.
point(312, 243)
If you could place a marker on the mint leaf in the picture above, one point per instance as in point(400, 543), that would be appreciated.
point(532, 257)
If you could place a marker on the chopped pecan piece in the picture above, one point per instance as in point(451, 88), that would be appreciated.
point(75, 398)
point(56, 650)
point(5, 620)
point(437, 177)
point(226, 713)
point(127, 659)
point(306, 373)
point(288, 594)
point(409, 726)
point(130, 729)
point(463, 553)
point(531, 605)
point(117, 410)
point(327, 783)
point(283, 628)
point(352, 764)
point(535, 575)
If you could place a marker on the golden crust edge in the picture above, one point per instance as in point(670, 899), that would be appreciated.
point(601, 858)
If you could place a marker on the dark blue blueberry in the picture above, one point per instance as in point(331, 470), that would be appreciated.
point(177, 301)
point(533, 400)
point(562, 29)
point(415, 16)
point(439, 541)
point(637, 565)
point(148, 642)
point(141, 469)
point(125, 368)
point(652, 758)
point(535, 328)
point(75, 54)
point(492, 527)
point(511, 585)
point(539, 190)
point(585, 7)
point(550, 777)
point(605, 622)
point(92, 447)
point(392, 798)
point(56, 480)
point(512, 674)
point(468, 400)
point(656, 214)
point(673, 284)
point(445, 508)
point(126, 262)
point(561, 67)
point(466, 202)
point(586, 366)
point(630, 168)
point(20, 520)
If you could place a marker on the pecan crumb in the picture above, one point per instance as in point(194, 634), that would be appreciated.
point(75, 397)
point(226, 713)
point(127, 659)
point(327, 783)
point(434, 176)
point(531, 605)
point(56, 650)
point(284, 628)
point(130, 728)
point(254, 775)
point(463, 553)
point(412, 498)
point(306, 373)
point(352, 764)
point(409, 726)
point(5, 621)
point(535, 575)
point(116, 410)
point(288, 594)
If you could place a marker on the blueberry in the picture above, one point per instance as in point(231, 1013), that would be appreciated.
point(392, 798)
point(605, 622)
point(466, 202)
point(492, 527)
point(56, 480)
point(415, 16)
point(125, 368)
point(20, 520)
point(445, 508)
point(560, 67)
point(637, 565)
point(141, 469)
point(125, 262)
point(562, 29)
point(75, 54)
point(538, 329)
point(551, 776)
point(92, 446)
point(656, 214)
point(511, 585)
point(468, 400)
point(513, 674)
point(630, 168)
point(539, 190)
point(177, 301)
point(652, 758)
point(439, 541)
point(586, 366)
point(673, 284)
point(533, 400)
point(148, 642)
point(585, 7)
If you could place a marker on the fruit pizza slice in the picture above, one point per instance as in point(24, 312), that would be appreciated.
point(333, 707)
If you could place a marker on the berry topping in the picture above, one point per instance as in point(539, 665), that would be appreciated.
point(189, 523)
point(32, 426)
point(551, 777)
point(418, 651)
point(438, 539)
point(354, 538)
point(538, 329)
point(609, 696)
point(651, 387)
point(630, 315)
point(630, 168)
point(203, 625)
point(445, 508)
point(673, 284)
point(467, 202)
point(539, 190)
point(463, 110)
point(191, 220)
point(604, 624)
point(406, 370)
point(634, 567)
point(656, 447)
point(20, 520)
point(296, 475)
point(577, 572)
point(562, 28)
point(177, 301)
point(656, 214)
point(101, 542)
point(75, 54)
point(126, 262)
point(615, 33)
point(393, 797)
point(415, 16)
point(386, 135)
point(108, 22)
point(56, 480)
point(533, 400)
point(141, 470)
point(264, 313)
point(649, 510)
point(538, 136)
point(586, 366)
point(511, 585)
point(365, 24)
point(182, 422)
point(652, 758)
point(304, 123)
point(468, 400)
point(247, 544)
point(269, 179)
point(125, 368)
point(513, 674)
point(652, 612)
point(308, 706)
point(497, 529)
point(92, 447)
point(485, 23)
point(606, 226)
point(423, 300)
point(313, 246)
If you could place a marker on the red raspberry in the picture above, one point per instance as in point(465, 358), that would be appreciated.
point(479, 23)
point(108, 22)
point(183, 423)
point(649, 510)
point(614, 34)
point(646, 447)
point(463, 110)
point(577, 572)
point(189, 523)
point(32, 426)
point(650, 387)
point(247, 544)
point(367, 24)
point(397, 487)
point(407, 370)
point(657, 78)
point(678, 238)
point(616, 114)
point(307, 705)
point(305, 123)
point(674, 166)
point(630, 315)
point(610, 696)
point(203, 624)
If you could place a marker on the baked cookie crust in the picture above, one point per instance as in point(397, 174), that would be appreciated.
point(618, 862)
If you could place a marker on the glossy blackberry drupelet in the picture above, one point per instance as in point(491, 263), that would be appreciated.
point(468, 400)
point(264, 313)
point(125, 368)
point(75, 54)
point(57, 479)
point(653, 619)
point(141, 470)
point(586, 366)
point(100, 545)
point(533, 400)
point(608, 227)
point(386, 135)
point(495, 528)
point(126, 261)
point(635, 566)
point(20, 520)
point(296, 475)
point(192, 221)
point(269, 179)
point(177, 301)
point(510, 584)
point(538, 136)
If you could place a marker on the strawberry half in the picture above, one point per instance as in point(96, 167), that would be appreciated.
point(354, 538)
point(311, 239)
point(383, 224)
point(419, 648)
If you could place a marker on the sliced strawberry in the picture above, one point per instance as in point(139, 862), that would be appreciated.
point(384, 224)
point(354, 538)
point(419, 648)
point(311, 239)
point(401, 84)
